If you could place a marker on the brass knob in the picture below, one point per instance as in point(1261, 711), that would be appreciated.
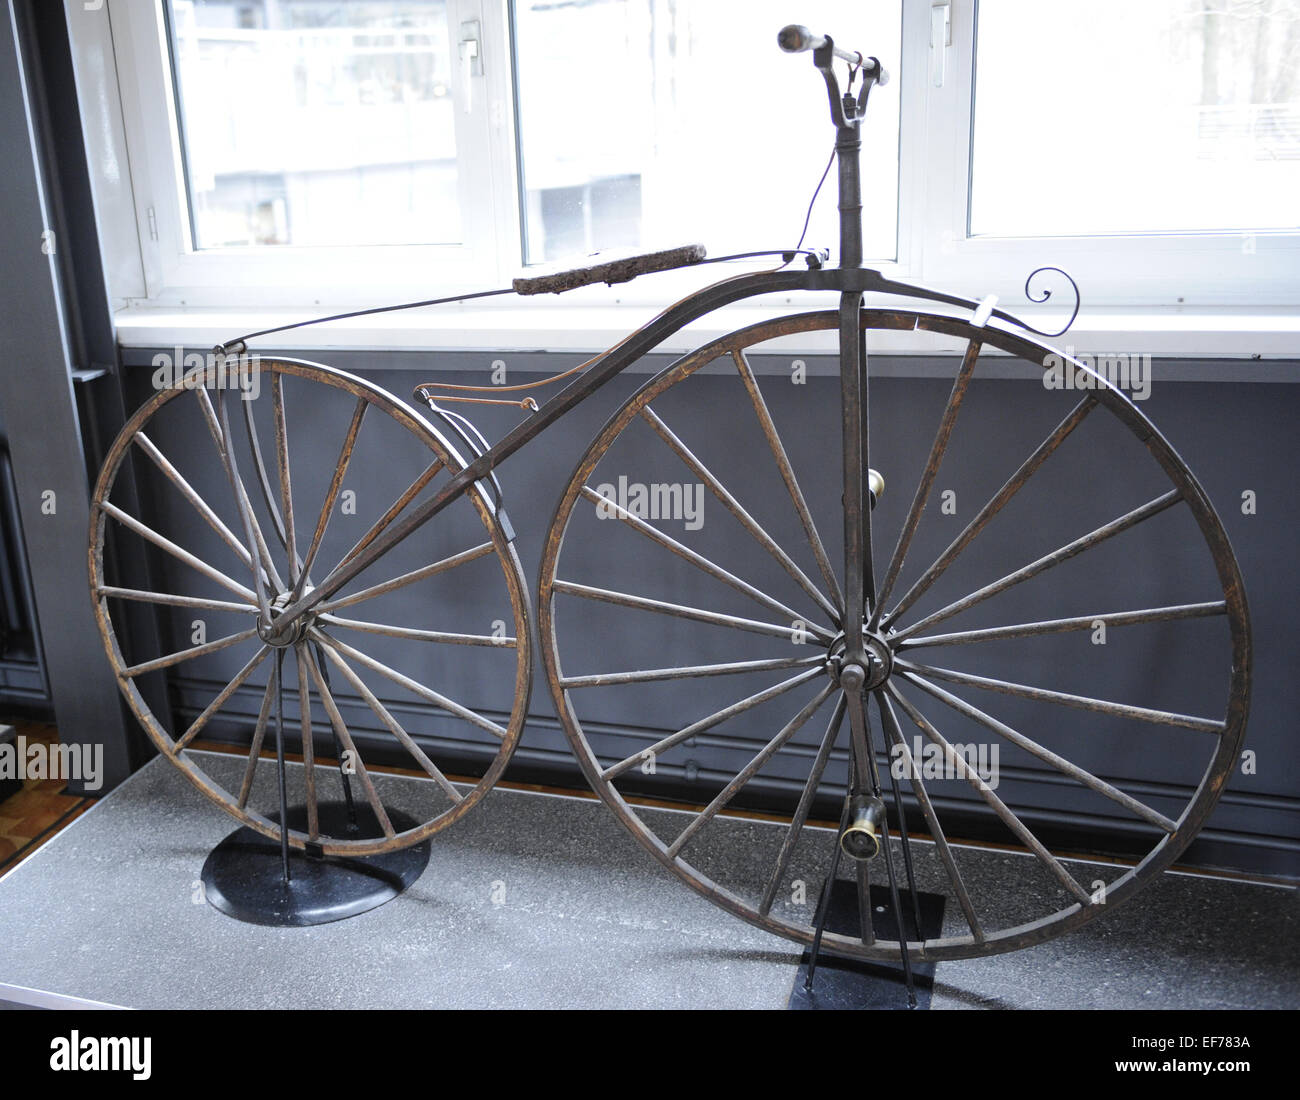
point(866, 830)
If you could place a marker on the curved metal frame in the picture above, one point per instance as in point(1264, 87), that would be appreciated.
point(862, 600)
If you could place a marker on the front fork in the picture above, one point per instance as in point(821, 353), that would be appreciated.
point(859, 667)
point(864, 828)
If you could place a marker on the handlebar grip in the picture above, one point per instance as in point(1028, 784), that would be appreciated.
point(619, 270)
point(798, 39)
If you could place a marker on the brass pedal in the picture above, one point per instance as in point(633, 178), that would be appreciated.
point(862, 837)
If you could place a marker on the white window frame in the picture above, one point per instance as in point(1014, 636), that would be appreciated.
point(177, 274)
point(1156, 270)
point(1155, 281)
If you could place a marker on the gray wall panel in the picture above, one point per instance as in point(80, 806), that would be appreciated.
point(1235, 437)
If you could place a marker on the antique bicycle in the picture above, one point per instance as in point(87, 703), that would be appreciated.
point(819, 641)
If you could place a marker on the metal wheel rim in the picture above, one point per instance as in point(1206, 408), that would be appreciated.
point(503, 550)
point(1161, 855)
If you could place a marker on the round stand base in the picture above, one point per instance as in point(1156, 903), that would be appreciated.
point(243, 875)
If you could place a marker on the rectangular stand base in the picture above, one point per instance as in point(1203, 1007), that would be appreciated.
point(841, 984)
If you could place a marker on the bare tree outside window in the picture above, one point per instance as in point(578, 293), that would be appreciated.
point(1165, 116)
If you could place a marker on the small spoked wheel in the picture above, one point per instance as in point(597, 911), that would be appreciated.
point(398, 670)
point(1056, 633)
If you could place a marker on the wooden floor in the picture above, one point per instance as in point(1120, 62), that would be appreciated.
point(35, 814)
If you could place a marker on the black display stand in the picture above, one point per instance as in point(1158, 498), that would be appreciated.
point(841, 984)
point(243, 876)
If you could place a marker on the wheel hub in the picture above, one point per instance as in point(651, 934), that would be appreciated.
point(871, 673)
point(281, 636)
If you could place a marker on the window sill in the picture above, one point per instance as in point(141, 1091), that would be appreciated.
point(581, 327)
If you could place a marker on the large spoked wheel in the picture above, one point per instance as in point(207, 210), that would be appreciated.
point(992, 725)
point(241, 518)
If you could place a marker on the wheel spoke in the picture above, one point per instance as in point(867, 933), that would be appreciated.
point(995, 505)
point(219, 428)
point(1061, 626)
point(606, 679)
point(263, 480)
point(686, 553)
point(996, 804)
point(737, 509)
point(340, 649)
point(282, 522)
point(255, 747)
point(1061, 764)
point(285, 531)
point(1081, 702)
point(398, 506)
point(804, 808)
point(931, 471)
point(189, 493)
point(188, 654)
point(142, 596)
point(179, 553)
point(282, 466)
point(749, 771)
point(336, 483)
point(787, 475)
point(716, 718)
point(345, 739)
point(407, 578)
point(414, 635)
point(890, 722)
point(1056, 557)
point(681, 611)
point(308, 747)
point(221, 699)
point(394, 726)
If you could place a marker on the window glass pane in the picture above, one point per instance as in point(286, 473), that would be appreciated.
point(1112, 116)
point(648, 123)
point(311, 123)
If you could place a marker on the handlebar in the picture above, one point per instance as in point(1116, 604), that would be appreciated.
point(797, 39)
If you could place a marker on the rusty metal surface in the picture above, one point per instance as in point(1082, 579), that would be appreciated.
point(620, 270)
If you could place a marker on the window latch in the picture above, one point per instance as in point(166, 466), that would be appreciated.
point(940, 40)
point(471, 59)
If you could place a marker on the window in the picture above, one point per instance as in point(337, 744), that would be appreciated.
point(305, 124)
point(1163, 117)
point(302, 152)
point(648, 122)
